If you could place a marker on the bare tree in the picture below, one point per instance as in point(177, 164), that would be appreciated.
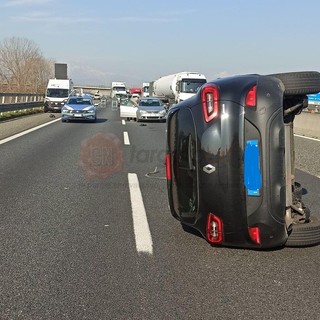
point(22, 65)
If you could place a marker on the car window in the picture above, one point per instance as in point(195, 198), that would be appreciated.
point(150, 103)
point(79, 101)
point(130, 103)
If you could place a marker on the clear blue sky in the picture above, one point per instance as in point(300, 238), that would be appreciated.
point(140, 40)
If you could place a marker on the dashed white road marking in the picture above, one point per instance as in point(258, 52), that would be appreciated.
point(15, 136)
point(123, 122)
point(126, 138)
point(140, 222)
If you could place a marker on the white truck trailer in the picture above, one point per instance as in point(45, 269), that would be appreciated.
point(57, 93)
point(178, 87)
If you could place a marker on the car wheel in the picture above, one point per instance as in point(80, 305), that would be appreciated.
point(299, 83)
point(304, 234)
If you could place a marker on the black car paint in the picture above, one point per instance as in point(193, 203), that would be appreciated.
point(193, 193)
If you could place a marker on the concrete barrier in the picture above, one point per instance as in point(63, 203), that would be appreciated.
point(307, 124)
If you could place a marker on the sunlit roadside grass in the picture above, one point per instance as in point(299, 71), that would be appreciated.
point(7, 115)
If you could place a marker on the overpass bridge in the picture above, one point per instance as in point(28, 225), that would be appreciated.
point(102, 90)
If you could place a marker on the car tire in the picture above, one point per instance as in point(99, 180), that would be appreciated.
point(299, 83)
point(304, 234)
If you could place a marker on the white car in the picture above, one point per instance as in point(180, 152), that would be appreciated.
point(151, 108)
point(128, 109)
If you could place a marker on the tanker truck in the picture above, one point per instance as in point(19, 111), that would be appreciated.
point(178, 87)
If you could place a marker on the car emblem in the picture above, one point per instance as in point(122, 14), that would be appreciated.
point(209, 168)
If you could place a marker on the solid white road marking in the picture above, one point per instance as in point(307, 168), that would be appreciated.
point(126, 138)
point(123, 122)
point(140, 222)
point(309, 138)
point(27, 131)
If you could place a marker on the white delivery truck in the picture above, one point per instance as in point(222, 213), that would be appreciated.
point(178, 87)
point(145, 89)
point(58, 91)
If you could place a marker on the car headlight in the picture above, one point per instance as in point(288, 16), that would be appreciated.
point(143, 112)
point(162, 112)
point(66, 108)
point(89, 109)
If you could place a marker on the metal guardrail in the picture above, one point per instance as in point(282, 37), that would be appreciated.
point(313, 108)
point(19, 101)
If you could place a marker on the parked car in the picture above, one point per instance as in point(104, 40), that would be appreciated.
point(230, 161)
point(151, 108)
point(128, 109)
point(79, 108)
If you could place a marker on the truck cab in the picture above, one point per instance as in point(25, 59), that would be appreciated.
point(118, 88)
point(145, 89)
point(188, 85)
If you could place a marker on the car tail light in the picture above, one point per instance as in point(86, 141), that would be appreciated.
point(251, 97)
point(168, 167)
point(209, 98)
point(254, 233)
point(214, 229)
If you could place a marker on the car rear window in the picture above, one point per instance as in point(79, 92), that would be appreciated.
point(149, 103)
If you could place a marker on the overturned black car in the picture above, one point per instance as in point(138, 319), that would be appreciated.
point(230, 161)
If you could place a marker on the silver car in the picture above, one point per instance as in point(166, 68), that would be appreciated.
point(79, 108)
point(151, 108)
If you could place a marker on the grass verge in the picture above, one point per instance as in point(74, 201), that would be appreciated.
point(19, 113)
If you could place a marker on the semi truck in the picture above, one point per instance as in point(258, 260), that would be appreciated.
point(118, 89)
point(145, 89)
point(178, 87)
point(57, 93)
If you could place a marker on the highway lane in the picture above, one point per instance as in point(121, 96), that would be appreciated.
point(68, 247)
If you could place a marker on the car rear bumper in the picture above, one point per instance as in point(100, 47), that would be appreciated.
point(151, 117)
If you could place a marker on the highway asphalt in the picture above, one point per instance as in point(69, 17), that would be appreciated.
point(71, 246)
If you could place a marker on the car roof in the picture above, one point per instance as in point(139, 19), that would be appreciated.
point(75, 99)
point(150, 98)
point(81, 96)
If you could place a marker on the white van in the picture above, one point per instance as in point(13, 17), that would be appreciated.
point(58, 91)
